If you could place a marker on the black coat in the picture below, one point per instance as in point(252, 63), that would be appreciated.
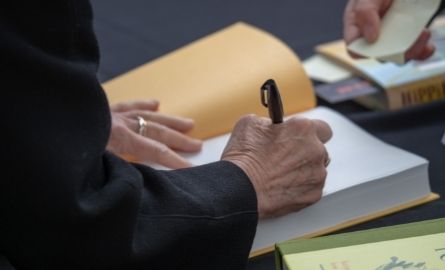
point(66, 203)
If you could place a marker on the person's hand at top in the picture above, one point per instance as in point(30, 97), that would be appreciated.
point(362, 18)
point(286, 163)
point(153, 140)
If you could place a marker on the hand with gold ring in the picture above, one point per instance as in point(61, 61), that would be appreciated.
point(139, 130)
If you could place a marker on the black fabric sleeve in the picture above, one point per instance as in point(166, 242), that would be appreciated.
point(65, 203)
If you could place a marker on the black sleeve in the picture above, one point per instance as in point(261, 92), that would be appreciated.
point(65, 203)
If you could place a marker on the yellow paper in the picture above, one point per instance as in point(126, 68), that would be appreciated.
point(217, 79)
point(322, 69)
point(401, 26)
point(336, 51)
point(414, 253)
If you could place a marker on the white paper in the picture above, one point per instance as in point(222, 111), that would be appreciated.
point(321, 69)
point(356, 156)
point(400, 28)
point(365, 175)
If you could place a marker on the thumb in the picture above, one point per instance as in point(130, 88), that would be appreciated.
point(368, 19)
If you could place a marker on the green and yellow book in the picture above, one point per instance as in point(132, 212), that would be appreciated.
point(414, 246)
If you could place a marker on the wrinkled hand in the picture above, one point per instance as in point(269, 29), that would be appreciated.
point(163, 135)
point(362, 18)
point(284, 162)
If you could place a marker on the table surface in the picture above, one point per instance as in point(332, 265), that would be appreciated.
point(132, 32)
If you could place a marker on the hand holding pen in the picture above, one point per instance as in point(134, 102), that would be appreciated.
point(285, 161)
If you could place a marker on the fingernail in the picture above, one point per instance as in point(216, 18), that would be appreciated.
point(197, 142)
point(370, 33)
point(189, 121)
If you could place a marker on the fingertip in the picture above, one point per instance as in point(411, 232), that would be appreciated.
point(422, 48)
point(324, 131)
point(154, 104)
point(198, 144)
point(427, 52)
point(183, 164)
point(370, 32)
point(182, 124)
point(189, 122)
point(351, 33)
point(431, 48)
point(195, 145)
point(175, 161)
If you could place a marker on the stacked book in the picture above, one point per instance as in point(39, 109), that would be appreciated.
point(383, 85)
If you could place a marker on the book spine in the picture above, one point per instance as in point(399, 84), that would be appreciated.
point(416, 93)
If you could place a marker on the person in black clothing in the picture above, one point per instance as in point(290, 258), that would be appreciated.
point(67, 203)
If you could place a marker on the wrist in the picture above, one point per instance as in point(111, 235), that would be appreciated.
point(253, 172)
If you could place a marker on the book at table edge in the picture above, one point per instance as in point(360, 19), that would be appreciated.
point(419, 228)
point(187, 80)
point(384, 212)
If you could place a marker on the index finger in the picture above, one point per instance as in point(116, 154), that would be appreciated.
point(125, 106)
point(350, 30)
point(367, 19)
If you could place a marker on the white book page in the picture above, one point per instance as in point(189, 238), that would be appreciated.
point(356, 156)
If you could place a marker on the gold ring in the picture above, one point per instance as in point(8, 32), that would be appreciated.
point(142, 125)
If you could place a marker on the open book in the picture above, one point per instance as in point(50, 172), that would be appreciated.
point(216, 80)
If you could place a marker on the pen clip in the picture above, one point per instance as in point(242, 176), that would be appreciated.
point(264, 93)
point(270, 98)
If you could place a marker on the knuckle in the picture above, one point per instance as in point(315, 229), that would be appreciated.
point(148, 115)
point(323, 175)
point(314, 196)
point(119, 128)
point(157, 130)
point(246, 121)
point(160, 150)
point(317, 195)
point(249, 118)
point(320, 176)
point(120, 106)
point(303, 125)
point(318, 152)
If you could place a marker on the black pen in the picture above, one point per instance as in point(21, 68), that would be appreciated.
point(271, 99)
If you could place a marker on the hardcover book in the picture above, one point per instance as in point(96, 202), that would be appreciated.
point(419, 245)
point(416, 82)
point(217, 79)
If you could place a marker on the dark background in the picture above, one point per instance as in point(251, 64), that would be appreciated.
point(132, 32)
